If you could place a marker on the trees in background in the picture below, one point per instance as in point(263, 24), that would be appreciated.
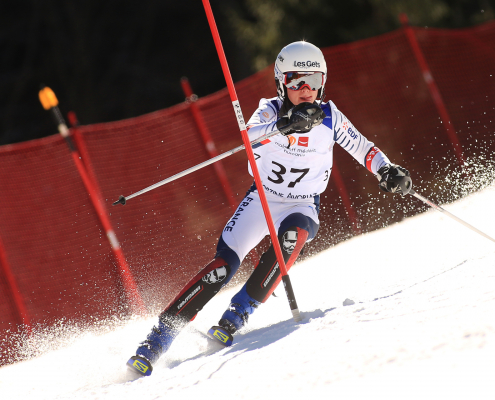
point(263, 27)
point(112, 60)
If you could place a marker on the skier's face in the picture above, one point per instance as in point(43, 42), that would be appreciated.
point(302, 95)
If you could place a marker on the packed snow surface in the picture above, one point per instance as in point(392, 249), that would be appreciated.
point(421, 327)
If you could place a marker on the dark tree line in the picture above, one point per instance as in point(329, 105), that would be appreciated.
point(110, 60)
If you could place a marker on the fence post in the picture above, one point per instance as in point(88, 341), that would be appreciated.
point(432, 87)
point(208, 141)
point(85, 169)
point(50, 103)
point(83, 151)
point(14, 289)
point(191, 99)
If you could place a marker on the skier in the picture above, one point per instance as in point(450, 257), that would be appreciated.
point(295, 168)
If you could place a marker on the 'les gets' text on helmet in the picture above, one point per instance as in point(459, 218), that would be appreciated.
point(299, 57)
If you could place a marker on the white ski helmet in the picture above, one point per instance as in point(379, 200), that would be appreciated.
point(299, 57)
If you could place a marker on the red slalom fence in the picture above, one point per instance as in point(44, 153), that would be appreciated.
point(56, 248)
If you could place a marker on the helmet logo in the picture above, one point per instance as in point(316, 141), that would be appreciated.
point(306, 64)
point(281, 58)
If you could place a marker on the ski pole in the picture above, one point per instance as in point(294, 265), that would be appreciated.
point(252, 161)
point(438, 208)
point(260, 141)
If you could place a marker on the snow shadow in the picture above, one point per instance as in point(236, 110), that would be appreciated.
point(259, 338)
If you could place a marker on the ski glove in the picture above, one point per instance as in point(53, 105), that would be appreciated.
point(394, 179)
point(301, 119)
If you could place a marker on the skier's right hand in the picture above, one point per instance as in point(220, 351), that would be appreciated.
point(301, 119)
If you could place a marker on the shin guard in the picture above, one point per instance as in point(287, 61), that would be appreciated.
point(199, 291)
point(183, 309)
point(267, 275)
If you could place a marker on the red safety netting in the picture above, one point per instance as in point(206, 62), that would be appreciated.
point(57, 250)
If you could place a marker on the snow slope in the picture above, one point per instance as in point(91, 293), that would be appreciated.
point(422, 327)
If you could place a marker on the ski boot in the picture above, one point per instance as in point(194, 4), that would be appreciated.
point(148, 352)
point(241, 306)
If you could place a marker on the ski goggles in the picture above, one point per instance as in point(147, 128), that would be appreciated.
point(299, 80)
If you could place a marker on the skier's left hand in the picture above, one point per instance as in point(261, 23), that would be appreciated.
point(301, 119)
point(394, 179)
